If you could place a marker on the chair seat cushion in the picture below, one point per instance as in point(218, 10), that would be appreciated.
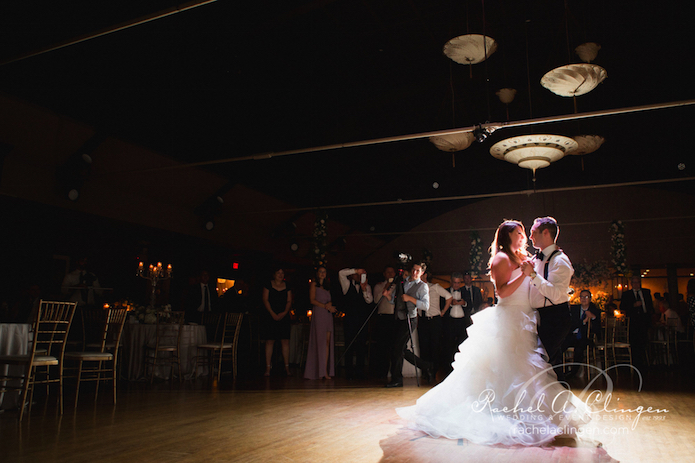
point(21, 359)
point(108, 345)
point(214, 346)
point(90, 355)
point(161, 348)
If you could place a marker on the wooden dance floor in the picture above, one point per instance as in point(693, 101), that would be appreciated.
point(292, 419)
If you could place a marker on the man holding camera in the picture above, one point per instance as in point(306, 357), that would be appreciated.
point(408, 296)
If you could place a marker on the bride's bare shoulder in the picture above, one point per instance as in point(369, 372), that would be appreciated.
point(501, 258)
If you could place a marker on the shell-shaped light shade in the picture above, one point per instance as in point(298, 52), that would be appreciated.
point(453, 142)
point(588, 51)
point(470, 48)
point(506, 95)
point(533, 151)
point(574, 79)
point(587, 144)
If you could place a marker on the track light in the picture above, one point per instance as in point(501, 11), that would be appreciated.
point(481, 134)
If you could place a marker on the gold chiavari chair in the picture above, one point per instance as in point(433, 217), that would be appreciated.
point(167, 343)
point(44, 362)
point(101, 364)
point(212, 354)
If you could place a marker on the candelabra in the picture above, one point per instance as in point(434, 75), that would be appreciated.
point(154, 274)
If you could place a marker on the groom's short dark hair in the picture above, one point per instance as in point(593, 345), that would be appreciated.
point(547, 223)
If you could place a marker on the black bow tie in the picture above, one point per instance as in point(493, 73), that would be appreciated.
point(539, 255)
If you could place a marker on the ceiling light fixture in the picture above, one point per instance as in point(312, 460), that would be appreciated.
point(533, 151)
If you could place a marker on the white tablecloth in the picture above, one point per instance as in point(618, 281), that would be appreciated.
point(137, 336)
point(14, 340)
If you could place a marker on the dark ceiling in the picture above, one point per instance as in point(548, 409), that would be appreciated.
point(232, 79)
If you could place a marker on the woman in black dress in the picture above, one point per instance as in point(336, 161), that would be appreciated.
point(277, 299)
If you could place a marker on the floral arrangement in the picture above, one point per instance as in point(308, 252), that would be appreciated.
point(146, 314)
point(320, 239)
point(475, 259)
point(618, 255)
point(594, 276)
point(591, 275)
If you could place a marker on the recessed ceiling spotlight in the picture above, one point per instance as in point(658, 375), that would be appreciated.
point(681, 166)
point(435, 185)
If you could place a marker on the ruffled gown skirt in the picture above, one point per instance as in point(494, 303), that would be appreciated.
point(500, 391)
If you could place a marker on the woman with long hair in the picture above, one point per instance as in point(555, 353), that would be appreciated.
point(319, 359)
point(501, 391)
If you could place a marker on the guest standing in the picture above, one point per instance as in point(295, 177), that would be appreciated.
point(202, 297)
point(357, 297)
point(320, 362)
point(81, 285)
point(429, 326)
point(637, 304)
point(277, 299)
point(456, 319)
point(382, 334)
point(415, 295)
point(691, 301)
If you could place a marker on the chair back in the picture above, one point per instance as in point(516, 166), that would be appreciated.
point(51, 327)
point(214, 329)
point(232, 327)
point(113, 329)
point(168, 329)
point(621, 330)
point(93, 320)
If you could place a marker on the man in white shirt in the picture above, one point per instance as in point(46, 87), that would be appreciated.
point(550, 272)
point(456, 319)
point(357, 296)
point(430, 326)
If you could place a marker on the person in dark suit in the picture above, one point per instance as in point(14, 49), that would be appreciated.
point(637, 304)
point(202, 297)
point(471, 294)
point(586, 321)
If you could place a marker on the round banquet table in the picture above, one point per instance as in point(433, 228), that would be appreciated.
point(14, 340)
point(136, 336)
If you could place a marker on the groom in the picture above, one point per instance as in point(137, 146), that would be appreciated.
point(550, 272)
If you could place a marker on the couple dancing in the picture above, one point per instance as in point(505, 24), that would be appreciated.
point(502, 389)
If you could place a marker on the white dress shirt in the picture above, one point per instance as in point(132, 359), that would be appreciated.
point(555, 288)
point(436, 291)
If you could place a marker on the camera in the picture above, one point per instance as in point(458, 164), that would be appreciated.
point(403, 257)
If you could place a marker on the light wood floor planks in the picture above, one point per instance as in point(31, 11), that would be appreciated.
point(294, 420)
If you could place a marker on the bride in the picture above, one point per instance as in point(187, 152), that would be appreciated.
point(501, 391)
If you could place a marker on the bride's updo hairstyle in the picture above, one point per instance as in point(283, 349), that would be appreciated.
point(502, 243)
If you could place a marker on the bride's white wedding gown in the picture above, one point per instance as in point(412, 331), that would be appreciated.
point(501, 391)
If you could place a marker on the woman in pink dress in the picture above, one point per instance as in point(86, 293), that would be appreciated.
point(319, 360)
